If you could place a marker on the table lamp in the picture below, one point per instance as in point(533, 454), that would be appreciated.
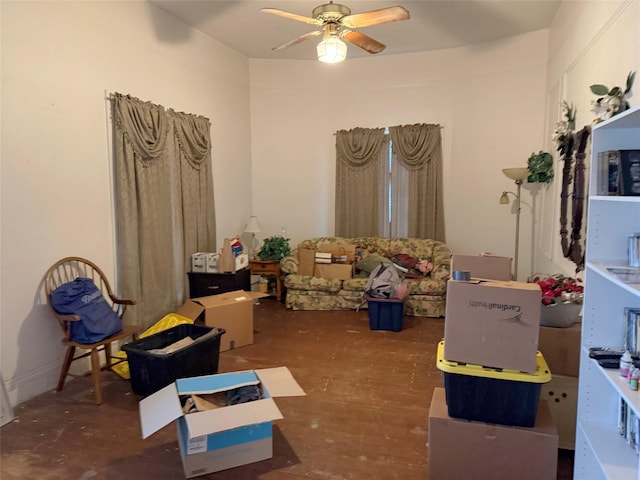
point(253, 227)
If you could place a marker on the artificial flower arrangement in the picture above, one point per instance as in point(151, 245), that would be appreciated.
point(612, 100)
point(561, 287)
point(563, 134)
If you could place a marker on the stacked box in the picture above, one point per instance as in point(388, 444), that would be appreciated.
point(385, 313)
point(461, 449)
point(493, 323)
point(492, 369)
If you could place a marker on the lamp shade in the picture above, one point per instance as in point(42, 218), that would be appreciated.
point(518, 173)
point(252, 225)
point(331, 50)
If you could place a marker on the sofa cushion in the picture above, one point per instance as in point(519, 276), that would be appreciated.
point(305, 282)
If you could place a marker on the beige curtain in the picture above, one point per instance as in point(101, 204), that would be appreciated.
point(197, 202)
point(417, 149)
point(164, 203)
point(359, 153)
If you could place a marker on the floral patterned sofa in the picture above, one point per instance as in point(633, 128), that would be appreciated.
point(427, 295)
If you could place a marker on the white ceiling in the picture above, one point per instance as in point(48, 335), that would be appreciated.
point(434, 24)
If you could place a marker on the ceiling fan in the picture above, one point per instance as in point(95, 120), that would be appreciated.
point(339, 24)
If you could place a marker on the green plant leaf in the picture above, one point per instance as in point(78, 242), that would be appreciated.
point(599, 89)
point(614, 91)
point(274, 248)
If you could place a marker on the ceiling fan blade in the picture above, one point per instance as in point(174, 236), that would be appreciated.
point(363, 41)
point(292, 16)
point(375, 17)
point(300, 39)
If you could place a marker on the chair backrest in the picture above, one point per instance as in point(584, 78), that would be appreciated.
point(68, 269)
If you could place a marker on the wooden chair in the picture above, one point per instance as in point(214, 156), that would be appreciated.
point(67, 270)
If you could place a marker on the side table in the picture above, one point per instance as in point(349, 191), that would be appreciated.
point(268, 268)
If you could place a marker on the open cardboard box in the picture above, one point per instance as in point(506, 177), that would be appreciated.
point(225, 437)
point(232, 311)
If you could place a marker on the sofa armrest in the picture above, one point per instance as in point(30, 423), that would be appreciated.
point(289, 264)
point(441, 262)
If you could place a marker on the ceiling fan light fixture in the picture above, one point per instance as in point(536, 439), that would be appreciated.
point(331, 50)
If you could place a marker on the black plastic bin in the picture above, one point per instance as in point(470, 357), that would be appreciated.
point(492, 395)
point(152, 371)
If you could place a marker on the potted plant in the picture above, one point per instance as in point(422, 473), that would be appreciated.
point(274, 248)
point(540, 167)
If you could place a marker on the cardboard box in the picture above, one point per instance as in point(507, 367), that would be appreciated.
point(460, 449)
point(561, 394)
point(232, 311)
point(489, 267)
point(339, 250)
point(561, 349)
point(211, 262)
point(224, 437)
point(306, 261)
point(335, 271)
point(491, 323)
point(199, 262)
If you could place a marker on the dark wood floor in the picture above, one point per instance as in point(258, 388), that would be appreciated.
point(364, 416)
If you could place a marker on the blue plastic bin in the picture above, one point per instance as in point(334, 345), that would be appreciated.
point(385, 313)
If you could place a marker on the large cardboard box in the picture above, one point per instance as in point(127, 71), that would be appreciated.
point(460, 449)
point(232, 311)
point(561, 394)
point(483, 266)
point(306, 261)
point(224, 437)
point(561, 349)
point(335, 271)
point(493, 323)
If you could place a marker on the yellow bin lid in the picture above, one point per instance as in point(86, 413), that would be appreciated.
point(542, 374)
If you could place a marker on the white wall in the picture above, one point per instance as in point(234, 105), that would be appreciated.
point(490, 99)
point(497, 103)
point(58, 61)
point(590, 42)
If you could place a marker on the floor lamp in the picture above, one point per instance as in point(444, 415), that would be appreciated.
point(519, 175)
point(253, 227)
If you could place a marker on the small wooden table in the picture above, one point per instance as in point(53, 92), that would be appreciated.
point(268, 268)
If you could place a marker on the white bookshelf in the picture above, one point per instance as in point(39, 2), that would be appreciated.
point(601, 452)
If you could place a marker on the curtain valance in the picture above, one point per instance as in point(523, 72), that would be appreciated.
point(415, 145)
point(359, 147)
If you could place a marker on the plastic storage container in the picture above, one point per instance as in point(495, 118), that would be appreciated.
point(492, 395)
point(385, 313)
point(151, 371)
